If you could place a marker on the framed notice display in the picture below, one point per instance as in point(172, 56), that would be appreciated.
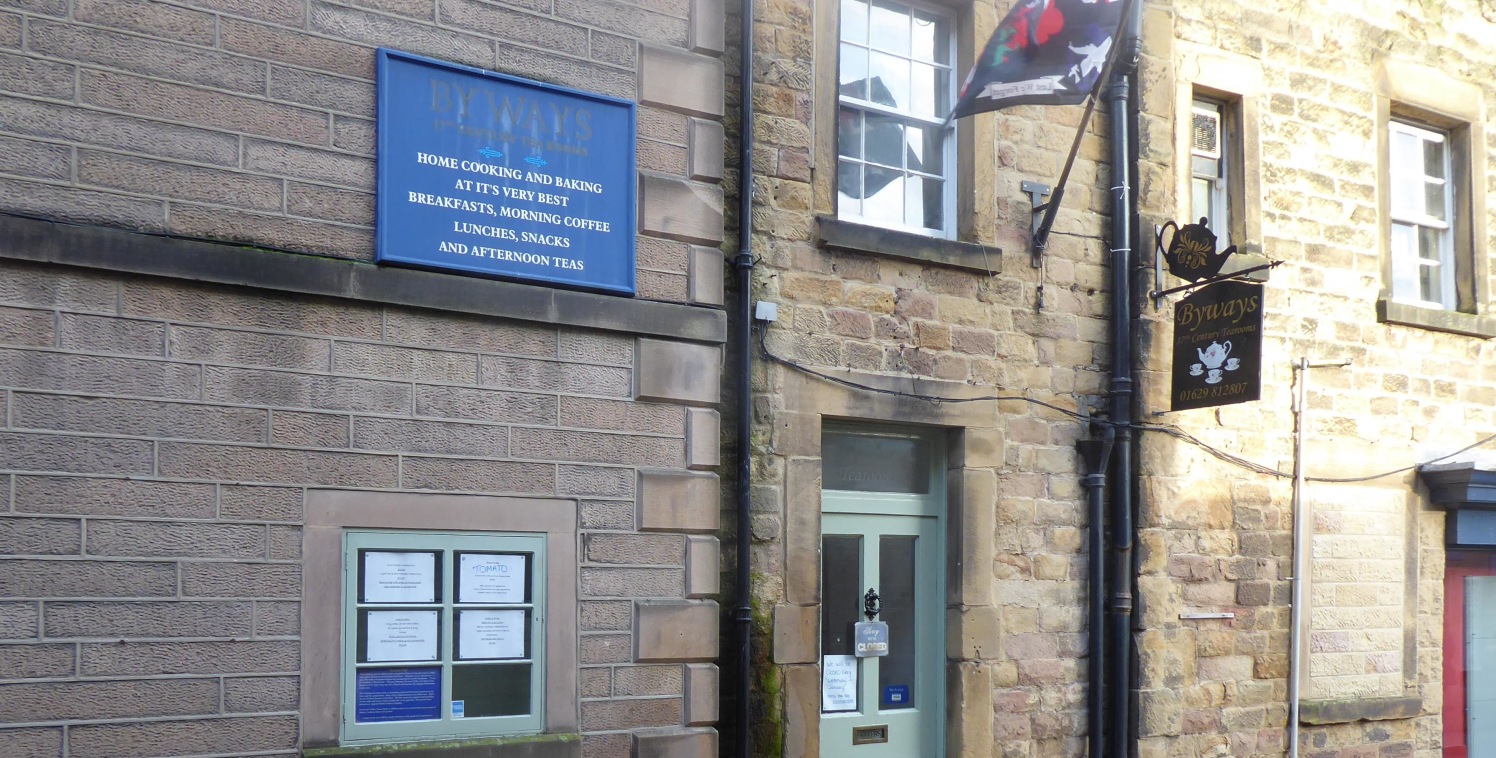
point(390, 577)
point(491, 578)
point(484, 634)
point(404, 635)
point(493, 174)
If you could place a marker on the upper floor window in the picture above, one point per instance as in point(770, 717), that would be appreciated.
point(895, 88)
point(1210, 167)
point(1423, 205)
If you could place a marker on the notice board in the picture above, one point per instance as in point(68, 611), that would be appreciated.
point(485, 173)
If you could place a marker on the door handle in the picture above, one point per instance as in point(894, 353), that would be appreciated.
point(871, 604)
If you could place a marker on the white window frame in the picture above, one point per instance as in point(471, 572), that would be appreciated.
point(447, 546)
point(1407, 264)
point(948, 146)
point(1218, 192)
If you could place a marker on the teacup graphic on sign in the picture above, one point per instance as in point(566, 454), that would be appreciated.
point(1211, 359)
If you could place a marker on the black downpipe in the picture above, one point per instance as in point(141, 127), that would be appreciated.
point(742, 612)
point(1119, 654)
point(1096, 454)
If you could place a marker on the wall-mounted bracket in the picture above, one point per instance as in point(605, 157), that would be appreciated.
point(1036, 192)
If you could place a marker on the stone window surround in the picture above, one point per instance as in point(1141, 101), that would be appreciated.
point(975, 456)
point(976, 151)
point(330, 512)
point(1431, 97)
point(1236, 83)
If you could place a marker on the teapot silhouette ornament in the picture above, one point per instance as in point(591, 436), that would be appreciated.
point(1191, 252)
point(1214, 355)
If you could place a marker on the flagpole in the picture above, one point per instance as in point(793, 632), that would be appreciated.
point(1051, 209)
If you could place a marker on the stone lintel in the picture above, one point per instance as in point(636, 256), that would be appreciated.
point(678, 501)
point(1320, 712)
point(675, 630)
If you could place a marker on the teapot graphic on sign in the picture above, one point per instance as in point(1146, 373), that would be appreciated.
point(1214, 355)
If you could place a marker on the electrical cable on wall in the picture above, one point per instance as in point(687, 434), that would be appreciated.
point(1172, 431)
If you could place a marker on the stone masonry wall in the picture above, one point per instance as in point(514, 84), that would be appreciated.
point(252, 121)
point(1217, 538)
point(159, 437)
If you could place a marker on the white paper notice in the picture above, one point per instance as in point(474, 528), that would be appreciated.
point(838, 683)
point(486, 578)
point(400, 636)
point(399, 577)
point(490, 634)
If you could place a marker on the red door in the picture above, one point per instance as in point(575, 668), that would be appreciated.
point(1458, 565)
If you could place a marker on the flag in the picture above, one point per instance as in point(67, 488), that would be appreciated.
point(1045, 52)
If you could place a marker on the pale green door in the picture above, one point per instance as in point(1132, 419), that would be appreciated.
point(1480, 665)
point(892, 543)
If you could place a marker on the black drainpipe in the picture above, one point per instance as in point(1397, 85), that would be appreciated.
point(1120, 574)
point(742, 613)
point(1096, 453)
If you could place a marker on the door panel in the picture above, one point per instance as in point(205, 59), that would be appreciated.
point(898, 697)
point(1480, 663)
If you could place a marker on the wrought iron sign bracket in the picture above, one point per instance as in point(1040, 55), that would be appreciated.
point(1036, 192)
point(1158, 295)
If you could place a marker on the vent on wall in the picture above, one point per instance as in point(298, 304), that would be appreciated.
point(1205, 133)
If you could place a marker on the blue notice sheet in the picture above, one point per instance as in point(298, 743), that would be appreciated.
point(398, 694)
point(497, 175)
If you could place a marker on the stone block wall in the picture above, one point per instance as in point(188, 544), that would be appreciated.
point(159, 438)
point(253, 122)
point(1215, 538)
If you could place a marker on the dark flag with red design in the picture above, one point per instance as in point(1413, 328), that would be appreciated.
point(1045, 52)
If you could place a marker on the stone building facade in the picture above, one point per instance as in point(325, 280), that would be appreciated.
point(207, 385)
point(941, 331)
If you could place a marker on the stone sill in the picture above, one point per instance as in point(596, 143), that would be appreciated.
point(891, 243)
point(97, 247)
point(1454, 322)
point(1322, 712)
point(520, 746)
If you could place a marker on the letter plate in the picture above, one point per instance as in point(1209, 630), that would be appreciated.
point(869, 735)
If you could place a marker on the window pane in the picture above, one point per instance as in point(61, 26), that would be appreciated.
point(841, 592)
point(1428, 282)
point(869, 463)
point(1431, 243)
point(1433, 199)
point(1407, 156)
point(883, 190)
point(1407, 197)
point(492, 634)
point(497, 689)
point(1433, 159)
point(926, 149)
point(1200, 200)
point(884, 138)
point(1404, 262)
point(923, 202)
point(890, 27)
point(854, 21)
point(849, 133)
point(932, 40)
point(398, 635)
point(890, 81)
point(929, 89)
point(849, 188)
point(896, 671)
point(397, 694)
point(853, 72)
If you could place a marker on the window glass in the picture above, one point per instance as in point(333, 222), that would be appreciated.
point(874, 463)
point(443, 634)
point(1421, 233)
point(895, 86)
point(1210, 196)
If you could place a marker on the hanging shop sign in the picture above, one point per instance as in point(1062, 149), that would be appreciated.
point(1218, 346)
point(485, 173)
point(1191, 253)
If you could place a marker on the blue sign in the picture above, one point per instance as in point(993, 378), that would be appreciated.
point(492, 174)
point(896, 695)
point(403, 694)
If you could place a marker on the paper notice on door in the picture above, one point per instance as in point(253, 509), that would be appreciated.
point(489, 578)
point(490, 634)
point(838, 683)
point(400, 636)
point(399, 577)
